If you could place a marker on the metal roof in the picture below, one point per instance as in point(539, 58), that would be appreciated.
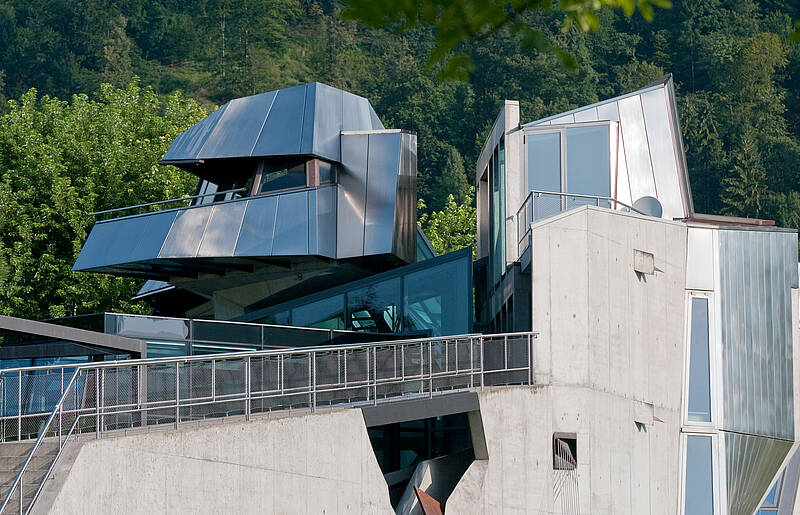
point(301, 120)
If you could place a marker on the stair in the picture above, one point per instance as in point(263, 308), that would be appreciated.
point(12, 457)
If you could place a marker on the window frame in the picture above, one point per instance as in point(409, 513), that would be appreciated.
point(719, 496)
point(311, 167)
point(712, 360)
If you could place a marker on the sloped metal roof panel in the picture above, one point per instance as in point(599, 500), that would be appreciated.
point(300, 120)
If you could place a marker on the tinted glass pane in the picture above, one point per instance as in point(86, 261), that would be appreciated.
point(152, 327)
point(229, 333)
point(544, 172)
point(588, 161)
point(326, 173)
point(699, 483)
point(326, 314)
point(166, 349)
point(544, 161)
point(699, 380)
point(437, 299)
point(211, 348)
point(497, 200)
point(281, 176)
point(375, 308)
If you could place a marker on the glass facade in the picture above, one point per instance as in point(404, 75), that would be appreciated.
point(588, 164)
point(431, 297)
point(699, 483)
point(699, 409)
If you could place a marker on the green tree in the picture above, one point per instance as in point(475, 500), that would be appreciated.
point(452, 228)
point(61, 160)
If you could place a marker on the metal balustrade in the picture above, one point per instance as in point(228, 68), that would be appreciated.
point(54, 403)
point(539, 205)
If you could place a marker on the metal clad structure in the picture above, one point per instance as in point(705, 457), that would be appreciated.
point(301, 120)
point(351, 200)
point(383, 170)
point(650, 160)
point(751, 464)
point(756, 274)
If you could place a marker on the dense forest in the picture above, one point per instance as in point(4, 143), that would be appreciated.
point(130, 75)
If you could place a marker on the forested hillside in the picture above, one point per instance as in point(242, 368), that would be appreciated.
point(737, 77)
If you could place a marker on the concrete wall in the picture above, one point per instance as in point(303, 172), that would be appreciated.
point(321, 463)
point(609, 355)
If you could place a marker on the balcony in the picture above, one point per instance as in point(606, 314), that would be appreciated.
point(214, 237)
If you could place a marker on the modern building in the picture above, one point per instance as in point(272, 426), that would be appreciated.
point(609, 350)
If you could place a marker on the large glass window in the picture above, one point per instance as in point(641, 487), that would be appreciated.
point(282, 175)
point(324, 314)
point(699, 483)
point(699, 405)
point(437, 299)
point(375, 308)
point(544, 172)
point(588, 164)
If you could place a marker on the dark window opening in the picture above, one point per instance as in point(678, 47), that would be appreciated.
point(400, 447)
point(565, 451)
point(281, 175)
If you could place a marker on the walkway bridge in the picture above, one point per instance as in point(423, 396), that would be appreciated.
point(42, 409)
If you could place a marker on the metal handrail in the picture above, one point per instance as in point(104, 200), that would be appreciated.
point(155, 389)
point(159, 202)
point(526, 209)
point(18, 479)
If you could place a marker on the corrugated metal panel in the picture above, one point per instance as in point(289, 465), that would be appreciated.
point(755, 303)
point(751, 465)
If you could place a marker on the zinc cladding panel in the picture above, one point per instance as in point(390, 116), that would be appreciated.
point(237, 129)
point(327, 122)
point(258, 227)
point(351, 198)
point(383, 169)
point(637, 152)
point(189, 143)
point(283, 128)
point(222, 230)
point(291, 228)
point(661, 143)
point(756, 271)
point(326, 221)
point(751, 464)
point(125, 241)
point(186, 233)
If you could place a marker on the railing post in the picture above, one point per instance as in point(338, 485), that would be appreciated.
point(530, 359)
point(97, 403)
point(102, 396)
point(213, 380)
point(430, 368)
point(421, 369)
point(505, 352)
point(471, 362)
point(19, 407)
point(177, 394)
point(374, 374)
point(313, 381)
point(248, 389)
point(480, 339)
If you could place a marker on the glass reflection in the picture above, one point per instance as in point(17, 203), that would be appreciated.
point(324, 314)
point(699, 487)
point(699, 375)
point(375, 308)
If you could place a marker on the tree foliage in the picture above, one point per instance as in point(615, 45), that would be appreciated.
point(61, 160)
point(453, 227)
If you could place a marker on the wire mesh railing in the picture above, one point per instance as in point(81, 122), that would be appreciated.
point(51, 404)
point(539, 205)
